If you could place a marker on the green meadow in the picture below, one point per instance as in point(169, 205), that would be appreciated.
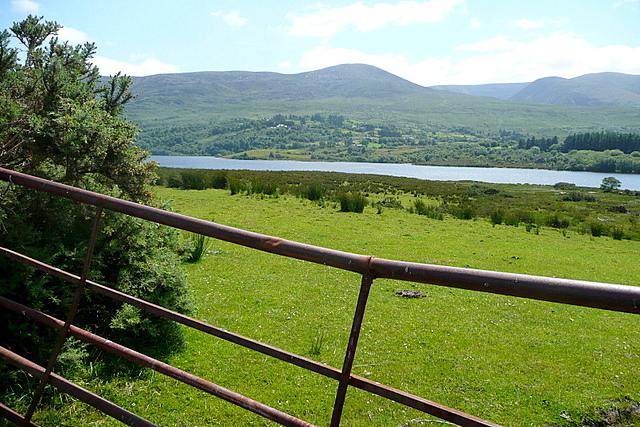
point(508, 360)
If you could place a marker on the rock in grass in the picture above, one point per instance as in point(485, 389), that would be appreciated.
point(411, 294)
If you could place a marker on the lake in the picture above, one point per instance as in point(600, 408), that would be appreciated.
point(435, 173)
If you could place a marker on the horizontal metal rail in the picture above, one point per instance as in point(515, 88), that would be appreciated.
point(583, 293)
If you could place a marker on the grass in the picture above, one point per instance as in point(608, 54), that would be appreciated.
point(509, 360)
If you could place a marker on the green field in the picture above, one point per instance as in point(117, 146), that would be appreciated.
point(509, 360)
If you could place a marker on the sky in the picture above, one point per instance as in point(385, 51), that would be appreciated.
point(432, 42)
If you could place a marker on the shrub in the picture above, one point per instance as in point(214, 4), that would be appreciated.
point(390, 202)
point(464, 212)
point(313, 192)
point(199, 245)
point(497, 217)
point(556, 222)
point(194, 180)
point(219, 180)
point(564, 186)
point(431, 211)
point(597, 229)
point(617, 233)
point(579, 197)
point(512, 221)
point(352, 202)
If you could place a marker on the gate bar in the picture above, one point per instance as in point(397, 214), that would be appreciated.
point(350, 354)
point(75, 390)
point(70, 316)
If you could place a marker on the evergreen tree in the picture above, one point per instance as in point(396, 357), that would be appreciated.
point(58, 122)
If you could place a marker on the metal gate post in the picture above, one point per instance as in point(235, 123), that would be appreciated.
point(345, 375)
point(70, 315)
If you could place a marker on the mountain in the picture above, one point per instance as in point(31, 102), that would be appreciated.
point(353, 80)
point(600, 89)
point(502, 91)
point(360, 92)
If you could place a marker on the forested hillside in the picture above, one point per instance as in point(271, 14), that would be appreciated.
point(361, 113)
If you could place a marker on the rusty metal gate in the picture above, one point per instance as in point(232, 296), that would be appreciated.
point(582, 293)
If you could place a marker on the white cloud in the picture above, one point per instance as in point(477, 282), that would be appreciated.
point(475, 24)
point(72, 35)
point(322, 57)
point(623, 2)
point(528, 24)
point(145, 67)
point(25, 6)
point(495, 43)
point(232, 18)
point(327, 22)
point(500, 61)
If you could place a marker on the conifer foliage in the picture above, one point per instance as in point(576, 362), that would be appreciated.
point(58, 121)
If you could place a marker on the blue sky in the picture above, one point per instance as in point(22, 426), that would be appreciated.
point(428, 42)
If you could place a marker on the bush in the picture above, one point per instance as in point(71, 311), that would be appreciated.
point(564, 186)
point(597, 229)
point(390, 202)
point(512, 221)
point(464, 212)
point(556, 222)
point(579, 197)
point(195, 180)
point(431, 211)
point(313, 192)
point(497, 217)
point(352, 202)
point(617, 233)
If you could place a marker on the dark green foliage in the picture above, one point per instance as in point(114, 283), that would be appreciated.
point(576, 196)
point(617, 233)
point(597, 229)
point(199, 246)
point(555, 221)
point(464, 211)
point(610, 183)
point(601, 141)
point(352, 202)
point(313, 192)
point(497, 217)
point(390, 202)
point(512, 221)
point(58, 123)
point(428, 210)
point(564, 186)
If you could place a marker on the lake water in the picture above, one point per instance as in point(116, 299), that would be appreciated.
point(435, 173)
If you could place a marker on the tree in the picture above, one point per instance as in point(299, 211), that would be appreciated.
point(610, 183)
point(58, 122)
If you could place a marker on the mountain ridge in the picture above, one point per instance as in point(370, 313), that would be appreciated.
point(359, 91)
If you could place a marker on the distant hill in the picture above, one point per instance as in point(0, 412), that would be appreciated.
point(360, 92)
point(347, 81)
point(601, 89)
point(502, 91)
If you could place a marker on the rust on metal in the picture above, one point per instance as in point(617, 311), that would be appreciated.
point(14, 417)
point(62, 337)
point(354, 335)
point(75, 390)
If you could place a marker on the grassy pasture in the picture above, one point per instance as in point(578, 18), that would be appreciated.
point(509, 360)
